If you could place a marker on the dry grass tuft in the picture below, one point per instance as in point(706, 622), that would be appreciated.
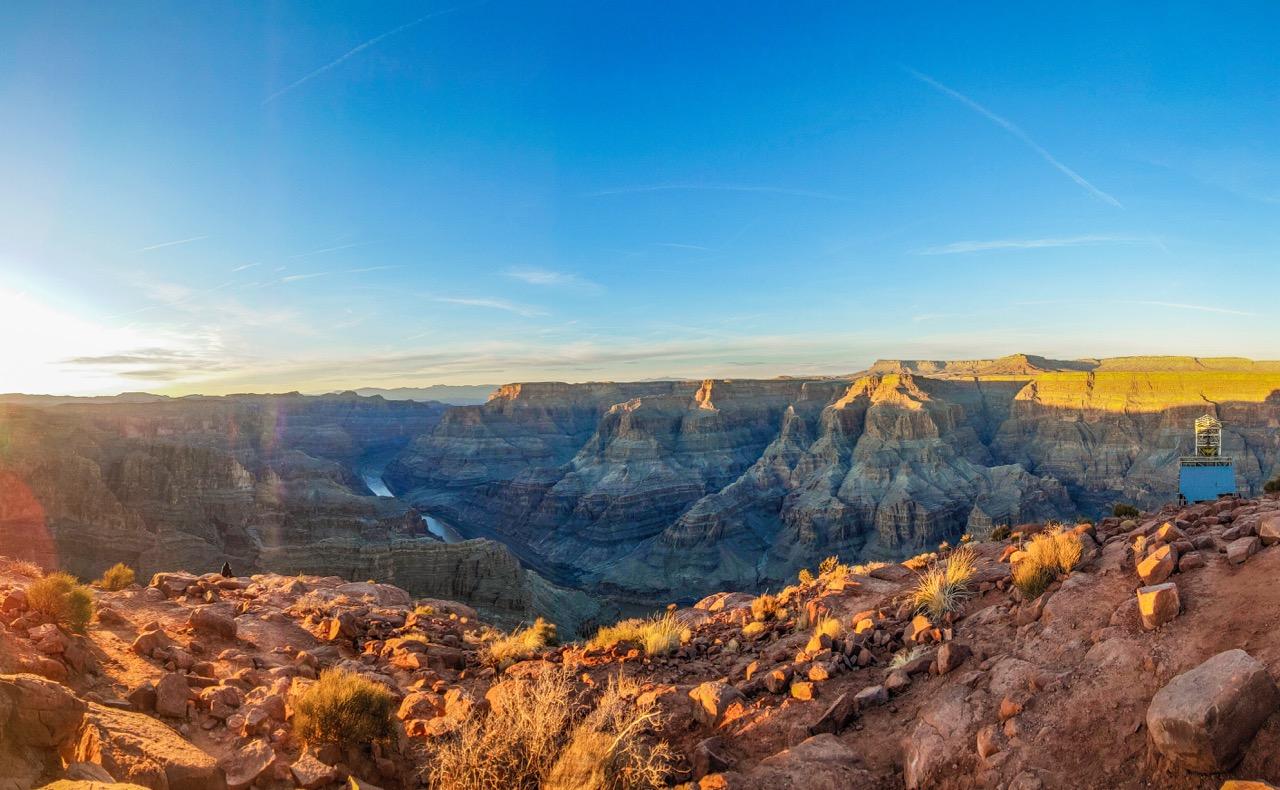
point(344, 709)
point(906, 656)
point(1047, 555)
point(521, 644)
point(765, 607)
point(827, 625)
point(658, 636)
point(943, 587)
point(866, 568)
point(21, 567)
point(117, 577)
point(62, 599)
point(535, 737)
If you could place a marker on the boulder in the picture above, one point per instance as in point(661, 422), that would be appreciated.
point(39, 712)
point(134, 747)
point(1242, 549)
point(951, 655)
point(712, 699)
point(1190, 561)
point(172, 693)
point(1158, 604)
point(149, 641)
point(837, 715)
point(1158, 565)
point(213, 622)
point(1269, 529)
point(309, 773)
point(1205, 718)
point(871, 695)
point(246, 764)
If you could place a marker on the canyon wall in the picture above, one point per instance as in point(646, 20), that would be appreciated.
point(662, 490)
point(261, 482)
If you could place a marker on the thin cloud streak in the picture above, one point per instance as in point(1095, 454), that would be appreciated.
point(355, 51)
point(716, 188)
point(168, 244)
point(546, 277)
point(1017, 132)
point(960, 247)
point(493, 304)
point(322, 250)
point(1197, 307)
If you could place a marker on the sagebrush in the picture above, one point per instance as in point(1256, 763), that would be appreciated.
point(520, 644)
point(117, 577)
point(62, 599)
point(343, 709)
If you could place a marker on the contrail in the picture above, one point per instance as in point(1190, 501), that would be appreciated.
point(715, 188)
point(169, 244)
point(1017, 132)
point(355, 51)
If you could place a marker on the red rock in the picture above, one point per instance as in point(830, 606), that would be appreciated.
point(1190, 561)
point(1269, 529)
point(837, 715)
point(951, 655)
point(172, 693)
point(1158, 604)
point(712, 699)
point(804, 690)
point(246, 764)
point(871, 695)
point(1242, 549)
point(778, 680)
point(209, 620)
point(1205, 718)
point(1158, 565)
point(310, 773)
point(897, 681)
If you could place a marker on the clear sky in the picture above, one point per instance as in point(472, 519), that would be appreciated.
point(224, 196)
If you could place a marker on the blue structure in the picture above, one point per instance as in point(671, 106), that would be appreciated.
point(1206, 475)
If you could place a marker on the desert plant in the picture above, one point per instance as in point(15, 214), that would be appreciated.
point(1001, 532)
point(608, 749)
point(536, 737)
point(827, 626)
point(906, 655)
point(657, 635)
point(117, 577)
point(520, 644)
point(805, 576)
point(867, 567)
point(343, 709)
point(423, 610)
point(1272, 486)
point(764, 607)
point(753, 629)
point(62, 599)
point(1046, 556)
point(1121, 510)
point(921, 561)
point(828, 566)
point(943, 587)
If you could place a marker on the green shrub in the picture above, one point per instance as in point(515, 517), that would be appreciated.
point(1001, 532)
point(62, 599)
point(117, 577)
point(1121, 510)
point(1272, 486)
point(343, 709)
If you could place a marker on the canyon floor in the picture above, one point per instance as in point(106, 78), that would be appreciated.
point(195, 681)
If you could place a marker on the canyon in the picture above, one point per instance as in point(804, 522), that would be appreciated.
point(573, 497)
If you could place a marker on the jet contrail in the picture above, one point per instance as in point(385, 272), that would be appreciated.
point(1017, 132)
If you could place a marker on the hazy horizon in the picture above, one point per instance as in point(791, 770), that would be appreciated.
point(220, 199)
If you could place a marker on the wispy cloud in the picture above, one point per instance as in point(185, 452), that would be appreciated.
point(293, 278)
point(1017, 132)
point(550, 278)
point(245, 266)
point(676, 246)
point(807, 193)
point(1197, 307)
point(323, 250)
point(356, 50)
point(162, 244)
point(494, 304)
point(960, 247)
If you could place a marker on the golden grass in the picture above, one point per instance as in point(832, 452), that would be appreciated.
point(828, 626)
point(866, 568)
point(536, 737)
point(344, 709)
point(1047, 555)
point(117, 577)
point(943, 587)
point(906, 656)
point(521, 644)
point(62, 599)
point(764, 607)
point(658, 636)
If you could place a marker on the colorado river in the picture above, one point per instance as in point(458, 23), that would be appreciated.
point(434, 525)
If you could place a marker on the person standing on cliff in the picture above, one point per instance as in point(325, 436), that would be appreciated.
point(226, 570)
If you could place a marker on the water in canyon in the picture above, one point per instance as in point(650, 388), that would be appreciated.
point(373, 479)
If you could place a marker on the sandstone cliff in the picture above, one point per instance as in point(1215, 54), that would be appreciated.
point(674, 489)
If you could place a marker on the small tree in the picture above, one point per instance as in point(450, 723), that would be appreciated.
point(1121, 510)
point(1272, 486)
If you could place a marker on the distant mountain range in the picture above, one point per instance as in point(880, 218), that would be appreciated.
point(457, 395)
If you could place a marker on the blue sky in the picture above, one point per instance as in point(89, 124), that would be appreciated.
point(227, 197)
